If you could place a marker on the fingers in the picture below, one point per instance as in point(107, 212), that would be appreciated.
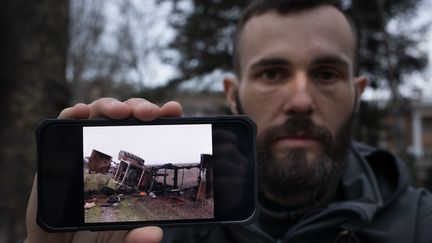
point(146, 111)
point(111, 108)
point(143, 109)
point(79, 111)
point(104, 107)
point(172, 108)
point(145, 235)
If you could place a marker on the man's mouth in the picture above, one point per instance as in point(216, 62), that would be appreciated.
point(296, 141)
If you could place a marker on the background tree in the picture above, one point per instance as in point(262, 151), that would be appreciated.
point(33, 85)
point(203, 37)
point(388, 55)
point(112, 48)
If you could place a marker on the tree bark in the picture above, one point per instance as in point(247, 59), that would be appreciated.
point(33, 86)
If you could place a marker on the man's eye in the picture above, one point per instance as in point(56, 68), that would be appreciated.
point(326, 76)
point(272, 75)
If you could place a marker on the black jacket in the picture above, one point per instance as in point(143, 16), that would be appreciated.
point(375, 204)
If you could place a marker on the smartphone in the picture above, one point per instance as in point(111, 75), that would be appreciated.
point(120, 174)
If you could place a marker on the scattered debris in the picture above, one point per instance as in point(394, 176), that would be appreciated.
point(89, 205)
point(105, 205)
point(108, 191)
point(152, 195)
point(175, 199)
point(114, 199)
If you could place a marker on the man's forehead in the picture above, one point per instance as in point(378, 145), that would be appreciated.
point(323, 26)
point(327, 17)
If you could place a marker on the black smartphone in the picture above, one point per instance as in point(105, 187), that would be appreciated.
point(120, 174)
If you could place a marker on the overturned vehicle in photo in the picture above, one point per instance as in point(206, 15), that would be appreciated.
point(130, 175)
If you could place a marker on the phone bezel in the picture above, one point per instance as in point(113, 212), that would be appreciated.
point(247, 122)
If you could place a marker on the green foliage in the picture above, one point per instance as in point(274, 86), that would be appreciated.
point(203, 37)
point(94, 182)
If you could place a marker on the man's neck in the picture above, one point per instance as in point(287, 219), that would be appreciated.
point(303, 200)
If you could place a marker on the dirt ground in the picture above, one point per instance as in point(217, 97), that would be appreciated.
point(145, 208)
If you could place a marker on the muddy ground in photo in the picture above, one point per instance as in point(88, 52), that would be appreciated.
point(169, 206)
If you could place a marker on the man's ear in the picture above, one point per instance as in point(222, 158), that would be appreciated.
point(360, 83)
point(231, 92)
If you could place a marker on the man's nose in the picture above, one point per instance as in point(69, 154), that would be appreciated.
point(299, 100)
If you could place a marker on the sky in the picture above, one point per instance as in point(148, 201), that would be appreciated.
point(156, 144)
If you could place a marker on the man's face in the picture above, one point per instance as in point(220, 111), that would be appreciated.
point(297, 85)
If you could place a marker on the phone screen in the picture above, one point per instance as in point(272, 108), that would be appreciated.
point(148, 173)
point(108, 175)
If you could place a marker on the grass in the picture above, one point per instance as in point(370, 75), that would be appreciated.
point(94, 182)
point(149, 209)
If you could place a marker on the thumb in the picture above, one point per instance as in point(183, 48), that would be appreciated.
point(149, 234)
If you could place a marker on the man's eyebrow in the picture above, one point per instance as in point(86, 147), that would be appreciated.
point(270, 62)
point(334, 60)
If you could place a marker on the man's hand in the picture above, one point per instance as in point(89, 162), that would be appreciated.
point(110, 108)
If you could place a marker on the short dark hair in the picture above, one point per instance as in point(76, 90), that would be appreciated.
point(283, 7)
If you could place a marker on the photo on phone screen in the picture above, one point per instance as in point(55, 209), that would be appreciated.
point(147, 173)
point(107, 174)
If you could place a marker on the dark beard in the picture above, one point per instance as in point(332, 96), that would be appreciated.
point(291, 174)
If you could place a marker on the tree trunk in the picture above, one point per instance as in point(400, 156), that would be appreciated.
point(33, 86)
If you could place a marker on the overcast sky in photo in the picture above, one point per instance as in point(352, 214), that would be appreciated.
point(156, 144)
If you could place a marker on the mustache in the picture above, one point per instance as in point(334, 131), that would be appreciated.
point(298, 126)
